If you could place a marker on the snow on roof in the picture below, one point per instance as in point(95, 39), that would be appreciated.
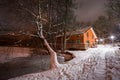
point(80, 31)
point(93, 32)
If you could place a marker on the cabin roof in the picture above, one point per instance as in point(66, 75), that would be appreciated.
point(80, 31)
point(83, 30)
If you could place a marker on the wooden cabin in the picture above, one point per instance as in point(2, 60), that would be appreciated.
point(79, 39)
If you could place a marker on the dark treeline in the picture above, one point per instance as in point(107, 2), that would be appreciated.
point(19, 16)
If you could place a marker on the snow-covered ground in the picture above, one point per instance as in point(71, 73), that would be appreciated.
point(102, 63)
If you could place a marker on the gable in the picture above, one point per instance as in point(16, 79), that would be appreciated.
point(93, 32)
point(80, 32)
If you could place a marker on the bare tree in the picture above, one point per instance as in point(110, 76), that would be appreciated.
point(39, 20)
point(113, 9)
point(113, 12)
point(51, 18)
point(53, 56)
point(102, 27)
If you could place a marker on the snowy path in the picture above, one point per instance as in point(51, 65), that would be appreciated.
point(102, 63)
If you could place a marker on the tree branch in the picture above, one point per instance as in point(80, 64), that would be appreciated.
point(32, 13)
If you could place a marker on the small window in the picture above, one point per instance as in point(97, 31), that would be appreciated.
point(87, 34)
point(78, 41)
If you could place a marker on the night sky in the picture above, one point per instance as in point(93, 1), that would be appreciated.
point(90, 10)
point(11, 19)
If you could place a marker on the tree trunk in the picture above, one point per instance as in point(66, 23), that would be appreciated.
point(64, 42)
point(53, 56)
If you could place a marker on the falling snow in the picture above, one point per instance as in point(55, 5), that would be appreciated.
point(101, 63)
